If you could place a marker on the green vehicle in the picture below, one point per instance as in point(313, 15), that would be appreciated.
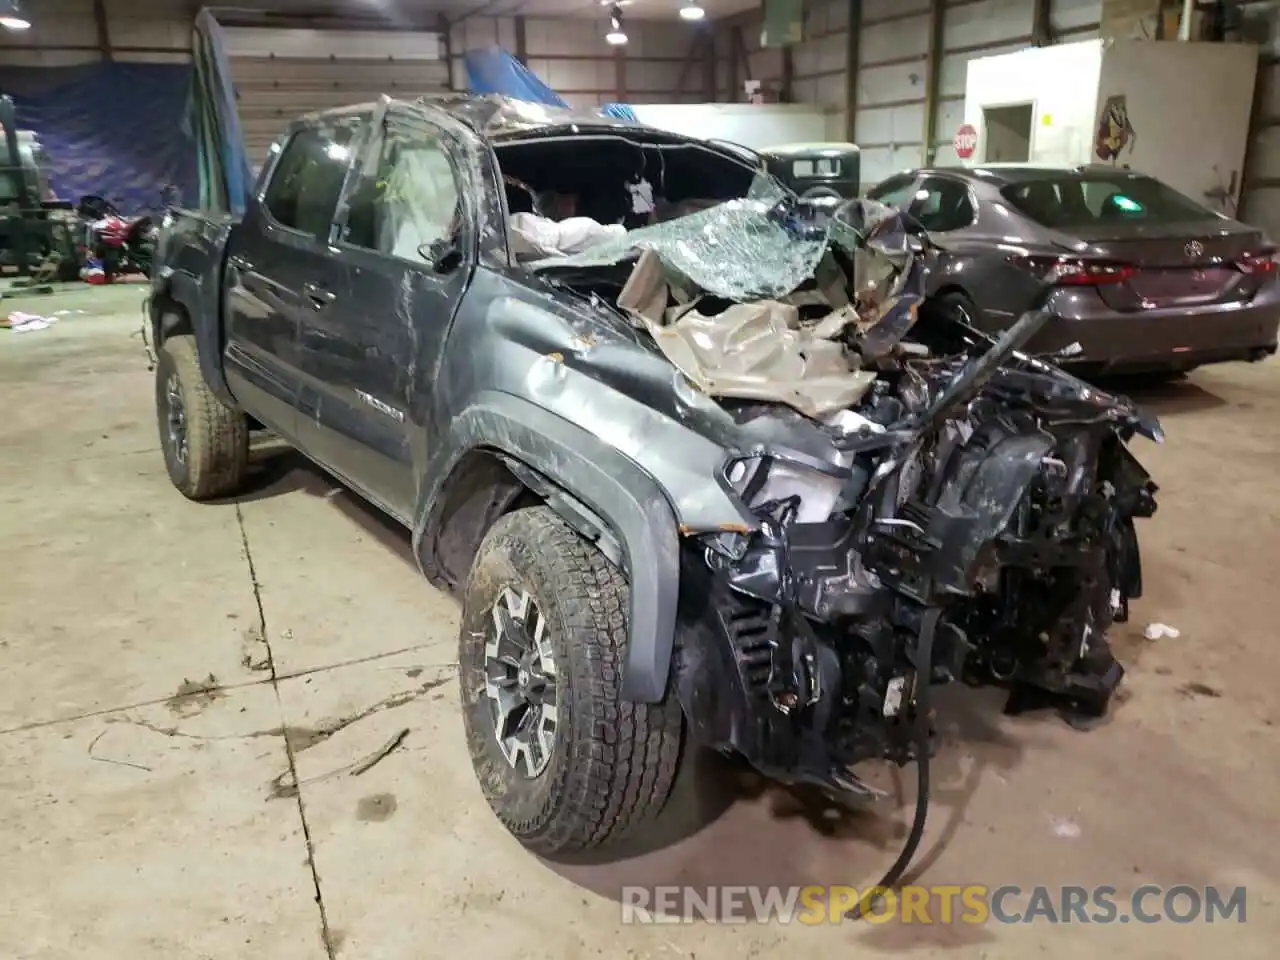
point(36, 231)
point(824, 174)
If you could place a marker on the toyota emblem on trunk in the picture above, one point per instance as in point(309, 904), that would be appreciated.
point(1194, 250)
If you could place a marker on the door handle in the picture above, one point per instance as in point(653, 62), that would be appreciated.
point(239, 263)
point(318, 295)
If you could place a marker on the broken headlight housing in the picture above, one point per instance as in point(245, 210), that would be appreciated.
point(768, 484)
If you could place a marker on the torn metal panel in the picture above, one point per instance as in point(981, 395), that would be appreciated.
point(492, 115)
point(755, 351)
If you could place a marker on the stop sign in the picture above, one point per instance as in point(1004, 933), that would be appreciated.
point(966, 141)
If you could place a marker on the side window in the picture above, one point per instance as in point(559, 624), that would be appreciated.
point(407, 198)
point(307, 180)
point(941, 205)
point(894, 191)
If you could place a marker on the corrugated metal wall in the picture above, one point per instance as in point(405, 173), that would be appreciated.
point(668, 62)
point(1260, 202)
point(273, 84)
point(571, 57)
point(65, 33)
point(893, 117)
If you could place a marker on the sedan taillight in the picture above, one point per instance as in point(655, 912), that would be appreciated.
point(1075, 272)
point(1263, 262)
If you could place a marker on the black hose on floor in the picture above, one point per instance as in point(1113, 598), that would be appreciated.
point(924, 671)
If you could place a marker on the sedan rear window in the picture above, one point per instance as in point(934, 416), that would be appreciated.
point(1074, 201)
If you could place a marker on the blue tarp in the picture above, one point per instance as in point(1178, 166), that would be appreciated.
point(621, 111)
point(111, 129)
point(493, 70)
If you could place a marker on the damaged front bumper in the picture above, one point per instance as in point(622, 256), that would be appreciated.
point(1004, 504)
point(918, 503)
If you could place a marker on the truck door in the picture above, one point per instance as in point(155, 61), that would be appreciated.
point(405, 239)
point(280, 267)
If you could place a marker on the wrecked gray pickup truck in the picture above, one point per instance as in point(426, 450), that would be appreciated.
point(718, 470)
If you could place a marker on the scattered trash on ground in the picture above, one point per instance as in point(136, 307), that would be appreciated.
point(378, 754)
point(1197, 689)
point(119, 763)
point(1161, 631)
point(20, 322)
point(1067, 829)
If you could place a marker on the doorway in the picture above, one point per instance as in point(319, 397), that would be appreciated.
point(1008, 133)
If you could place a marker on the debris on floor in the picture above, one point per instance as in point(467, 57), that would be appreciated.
point(1067, 829)
point(20, 322)
point(1197, 689)
point(1161, 631)
point(193, 696)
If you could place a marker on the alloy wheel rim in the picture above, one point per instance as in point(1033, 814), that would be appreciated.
point(520, 682)
point(176, 418)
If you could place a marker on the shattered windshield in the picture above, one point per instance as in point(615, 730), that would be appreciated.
point(741, 250)
point(762, 246)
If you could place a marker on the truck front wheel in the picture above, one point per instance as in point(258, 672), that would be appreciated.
point(205, 442)
point(564, 763)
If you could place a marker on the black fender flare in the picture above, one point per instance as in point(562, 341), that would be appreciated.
point(629, 503)
point(187, 292)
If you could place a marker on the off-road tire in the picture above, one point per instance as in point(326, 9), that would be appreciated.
point(613, 762)
point(217, 435)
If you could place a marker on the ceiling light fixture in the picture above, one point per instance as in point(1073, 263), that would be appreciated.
point(616, 36)
point(11, 17)
point(691, 11)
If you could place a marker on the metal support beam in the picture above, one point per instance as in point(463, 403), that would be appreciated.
point(104, 35)
point(787, 93)
point(522, 41)
point(710, 68)
point(446, 42)
point(1042, 23)
point(937, 13)
point(735, 64)
point(686, 66)
point(740, 52)
point(620, 75)
point(852, 62)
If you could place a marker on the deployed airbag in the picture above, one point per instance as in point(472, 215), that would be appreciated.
point(740, 250)
point(754, 351)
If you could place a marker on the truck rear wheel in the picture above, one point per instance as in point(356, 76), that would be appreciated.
point(205, 442)
point(564, 763)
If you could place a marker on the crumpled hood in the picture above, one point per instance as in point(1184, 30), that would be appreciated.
point(794, 285)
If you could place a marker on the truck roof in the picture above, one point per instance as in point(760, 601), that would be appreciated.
point(497, 117)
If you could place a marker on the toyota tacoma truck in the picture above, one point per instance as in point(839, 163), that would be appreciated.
point(700, 464)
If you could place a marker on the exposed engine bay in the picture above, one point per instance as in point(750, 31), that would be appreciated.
point(929, 504)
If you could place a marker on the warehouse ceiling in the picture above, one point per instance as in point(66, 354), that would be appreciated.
point(637, 9)
point(422, 12)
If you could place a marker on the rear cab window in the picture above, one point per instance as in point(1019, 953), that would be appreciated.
point(1081, 200)
point(810, 167)
point(406, 195)
point(304, 187)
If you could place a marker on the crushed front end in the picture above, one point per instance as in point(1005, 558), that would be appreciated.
point(927, 504)
point(1010, 518)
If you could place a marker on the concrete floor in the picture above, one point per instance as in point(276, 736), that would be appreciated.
point(163, 660)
